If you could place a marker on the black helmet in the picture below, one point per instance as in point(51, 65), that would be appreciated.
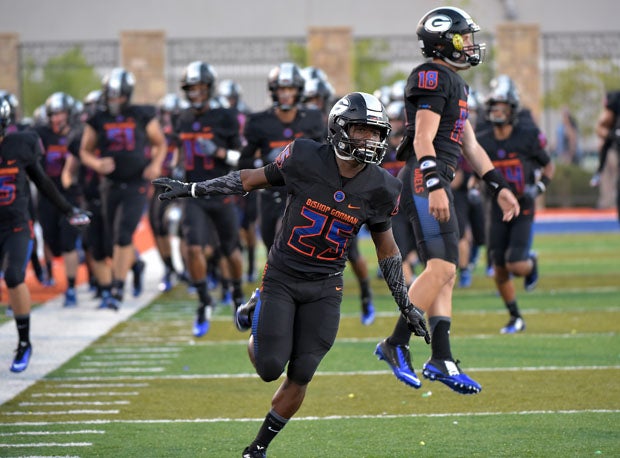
point(441, 31)
point(358, 108)
point(59, 102)
point(5, 115)
point(285, 75)
point(198, 72)
point(503, 90)
point(118, 83)
point(13, 103)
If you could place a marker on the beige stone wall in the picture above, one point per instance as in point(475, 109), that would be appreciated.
point(331, 49)
point(9, 62)
point(517, 50)
point(143, 52)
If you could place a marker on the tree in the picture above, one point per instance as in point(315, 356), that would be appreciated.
point(68, 72)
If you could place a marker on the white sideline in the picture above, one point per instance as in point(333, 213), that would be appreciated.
point(57, 334)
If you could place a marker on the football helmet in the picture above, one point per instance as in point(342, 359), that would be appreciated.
point(13, 103)
point(358, 108)
point(286, 74)
point(5, 115)
point(503, 90)
point(197, 82)
point(440, 34)
point(118, 83)
point(92, 102)
point(59, 102)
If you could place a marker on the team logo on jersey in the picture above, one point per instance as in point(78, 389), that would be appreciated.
point(339, 196)
point(438, 23)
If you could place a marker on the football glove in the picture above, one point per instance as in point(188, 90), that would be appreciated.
point(206, 147)
point(416, 322)
point(534, 190)
point(79, 217)
point(173, 189)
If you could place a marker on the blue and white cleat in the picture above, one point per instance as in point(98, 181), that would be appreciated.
point(449, 373)
point(22, 357)
point(368, 316)
point(399, 360)
point(514, 325)
point(70, 298)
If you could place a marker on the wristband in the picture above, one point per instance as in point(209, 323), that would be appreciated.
point(192, 190)
point(543, 183)
point(428, 167)
point(495, 181)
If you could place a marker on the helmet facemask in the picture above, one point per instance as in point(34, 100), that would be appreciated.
point(364, 151)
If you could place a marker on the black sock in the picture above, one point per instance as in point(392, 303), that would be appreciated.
point(22, 322)
point(203, 293)
point(401, 334)
point(365, 293)
point(440, 337)
point(237, 291)
point(168, 263)
point(71, 282)
point(251, 261)
point(513, 309)
point(119, 289)
point(272, 425)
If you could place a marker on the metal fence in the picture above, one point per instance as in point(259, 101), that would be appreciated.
point(248, 60)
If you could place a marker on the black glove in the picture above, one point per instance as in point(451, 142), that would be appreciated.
point(79, 217)
point(534, 190)
point(416, 322)
point(173, 189)
point(404, 150)
point(206, 147)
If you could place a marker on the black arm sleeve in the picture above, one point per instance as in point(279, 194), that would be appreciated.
point(47, 187)
point(392, 270)
point(226, 184)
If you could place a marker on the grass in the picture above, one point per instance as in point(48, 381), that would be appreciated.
point(148, 389)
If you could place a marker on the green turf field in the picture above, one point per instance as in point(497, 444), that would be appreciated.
point(148, 389)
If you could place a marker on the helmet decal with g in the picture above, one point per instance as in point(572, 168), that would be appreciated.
point(440, 33)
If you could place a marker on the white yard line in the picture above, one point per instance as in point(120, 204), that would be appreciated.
point(58, 334)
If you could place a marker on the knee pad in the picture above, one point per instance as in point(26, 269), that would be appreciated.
point(14, 276)
point(269, 369)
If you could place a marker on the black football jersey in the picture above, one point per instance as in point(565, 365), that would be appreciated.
point(218, 125)
point(124, 138)
point(439, 89)
point(88, 179)
point(55, 151)
point(20, 155)
point(517, 157)
point(325, 211)
point(265, 133)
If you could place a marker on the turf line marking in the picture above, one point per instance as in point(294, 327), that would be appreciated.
point(75, 403)
point(50, 444)
point(119, 357)
point(65, 412)
point(138, 350)
point(340, 373)
point(52, 433)
point(315, 418)
point(125, 363)
point(101, 385)
point(117, 369)
point(83, 395)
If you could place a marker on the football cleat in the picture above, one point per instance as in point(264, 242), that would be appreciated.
point(368, 315)
point(70, 298)
point(449, 373)
point(255, 452)
point(22, 357)
point(243, 315)
point(138, 277)
point(227, 299)
point(399, 360)
point(514, 325)
point(530, 280)
point(109, 302)
point(165, 284)
point(203, 322)
point(465, 278)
